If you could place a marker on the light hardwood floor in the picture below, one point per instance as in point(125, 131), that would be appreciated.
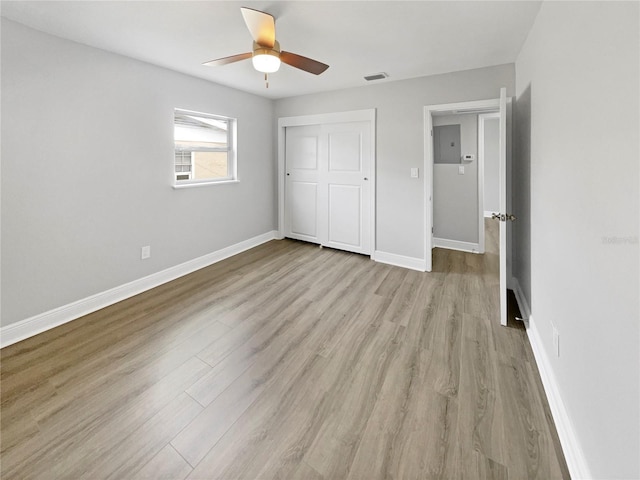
point(287, 361)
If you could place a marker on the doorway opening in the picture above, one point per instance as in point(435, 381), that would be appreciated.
point(441, 196)
point(461, 182)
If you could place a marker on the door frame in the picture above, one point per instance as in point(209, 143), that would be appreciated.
point(476, 106)
point(368, 115)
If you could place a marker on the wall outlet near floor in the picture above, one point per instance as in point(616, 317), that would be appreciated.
point(556, 340)
point(145, 252)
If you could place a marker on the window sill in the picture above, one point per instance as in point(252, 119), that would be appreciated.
point(204, 184)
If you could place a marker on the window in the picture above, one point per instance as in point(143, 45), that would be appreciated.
point(204, 148)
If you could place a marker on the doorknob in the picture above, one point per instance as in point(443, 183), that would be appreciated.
point(366, 178)
point(502, 217)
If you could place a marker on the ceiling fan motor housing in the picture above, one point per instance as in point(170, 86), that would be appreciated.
point(264, 50)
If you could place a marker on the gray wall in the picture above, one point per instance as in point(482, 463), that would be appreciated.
point(87, 152)
point(455, 196)
point(400, 140)
point(577, 101)
point(491, 184)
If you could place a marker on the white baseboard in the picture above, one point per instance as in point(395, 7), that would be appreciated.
point(456, 245)
point(523, 305)
point(29, 327)
point(573, 454)
point(400, 260)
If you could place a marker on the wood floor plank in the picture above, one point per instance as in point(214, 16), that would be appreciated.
point(166, 465)
point(258, 349)
point(145, 443)
point(287, 361)
point(106, 392)
point(17, 426)
point(409, 429)
point(278, 453)
point(531, 453)
point(255, 292)
point(262, 434)
point(444, 370)
point(326, 279)
point(305, 472)
point(480, 423)
point(285, 353)
point(538, 388)
point(270, 439)
point(352, 397)
point(401, 301)
point(249, 327)
point(127, 376)
point(86, 430)
point(133, 347)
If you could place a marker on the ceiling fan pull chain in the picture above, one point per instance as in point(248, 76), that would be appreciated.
point(266, 79)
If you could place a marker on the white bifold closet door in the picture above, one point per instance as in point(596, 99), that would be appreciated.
point(327, 196)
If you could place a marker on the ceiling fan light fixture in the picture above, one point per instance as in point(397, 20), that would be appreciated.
point(266, 60)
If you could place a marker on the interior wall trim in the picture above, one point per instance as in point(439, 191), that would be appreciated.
point(400, 260)
point(456, 245)
point(42, 322)
point(576, 461)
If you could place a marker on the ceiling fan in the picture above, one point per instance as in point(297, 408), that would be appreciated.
point(266, 55)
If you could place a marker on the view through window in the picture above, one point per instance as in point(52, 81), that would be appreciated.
point(204, 150)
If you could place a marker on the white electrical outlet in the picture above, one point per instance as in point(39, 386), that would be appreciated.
point(145, 252)
point(556, 340)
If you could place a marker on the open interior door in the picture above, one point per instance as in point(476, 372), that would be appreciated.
point(503, 206)
point(428, 189)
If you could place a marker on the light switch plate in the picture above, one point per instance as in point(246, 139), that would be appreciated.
point(460, 169)
point(414, 173)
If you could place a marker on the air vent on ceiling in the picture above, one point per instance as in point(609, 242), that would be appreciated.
point(376, 76)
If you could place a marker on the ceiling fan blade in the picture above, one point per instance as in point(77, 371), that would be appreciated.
point(303, 63)
point(262, 26)
point(226, 60)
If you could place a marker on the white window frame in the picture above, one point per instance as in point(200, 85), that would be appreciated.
point(231, 150)
point(189, 173)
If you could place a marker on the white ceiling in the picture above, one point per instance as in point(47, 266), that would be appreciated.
point(405, 39)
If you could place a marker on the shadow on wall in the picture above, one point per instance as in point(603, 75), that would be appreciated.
point(521, 181)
